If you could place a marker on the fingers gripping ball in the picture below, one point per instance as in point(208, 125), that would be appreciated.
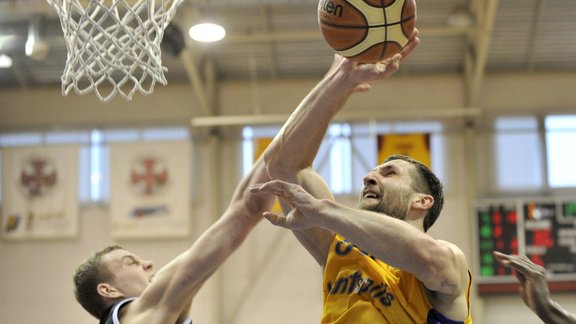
point(367, 31)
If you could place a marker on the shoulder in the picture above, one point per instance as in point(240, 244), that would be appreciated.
point(112, 316)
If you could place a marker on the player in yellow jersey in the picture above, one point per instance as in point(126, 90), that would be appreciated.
point(382, 267)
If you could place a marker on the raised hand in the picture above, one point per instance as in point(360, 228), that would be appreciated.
point(304, 205)
point(364, 74)
point(532, 278)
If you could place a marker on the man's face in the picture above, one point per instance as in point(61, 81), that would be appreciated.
point(387, 189)
point(130, 274)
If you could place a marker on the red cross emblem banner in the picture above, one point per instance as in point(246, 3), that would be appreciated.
point(150, 189)
point(39, 187)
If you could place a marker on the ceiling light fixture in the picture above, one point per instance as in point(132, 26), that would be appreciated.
point(36, 48)
point(207, 32)
point(5, 61)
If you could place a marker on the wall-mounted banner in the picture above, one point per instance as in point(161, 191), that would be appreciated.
point(150, 189)
point(416, 146)
point(39, 186)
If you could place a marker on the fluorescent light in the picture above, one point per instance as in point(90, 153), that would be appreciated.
point(36, 48)
point(29, 48)
point(5, 61)
point(207, 32)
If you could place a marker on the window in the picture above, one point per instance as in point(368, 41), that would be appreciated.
point(21, 139)
point(249, 135)
point(560, 143)
point(364, 136)
point(337, 164)
point(332, 161)
point(98, 155)
point(349, 151)
point(517, 158)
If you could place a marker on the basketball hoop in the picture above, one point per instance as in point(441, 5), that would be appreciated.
point(113, 44)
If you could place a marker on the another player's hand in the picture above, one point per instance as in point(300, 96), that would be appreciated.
point(304, 205)
point(363, 74)
point(532, 278)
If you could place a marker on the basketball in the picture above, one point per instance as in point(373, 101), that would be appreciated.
point(367, 31)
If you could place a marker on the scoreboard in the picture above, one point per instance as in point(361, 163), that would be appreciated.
point(542, 229)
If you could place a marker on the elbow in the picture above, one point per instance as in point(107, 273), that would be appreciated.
point(276, 166)
point(283, 163)
point(442, 270)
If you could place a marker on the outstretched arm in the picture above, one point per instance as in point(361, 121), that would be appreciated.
point(440, 265)
point(534, 289)
point(172, 289)
point(289, 157)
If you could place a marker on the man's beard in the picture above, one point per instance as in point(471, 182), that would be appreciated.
point(393, 203)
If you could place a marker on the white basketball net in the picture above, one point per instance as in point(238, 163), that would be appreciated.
point(113, 45)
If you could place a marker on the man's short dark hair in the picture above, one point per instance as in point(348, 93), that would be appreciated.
point(87, 276)
point(425, 181)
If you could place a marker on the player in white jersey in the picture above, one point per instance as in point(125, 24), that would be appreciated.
point(114, 275)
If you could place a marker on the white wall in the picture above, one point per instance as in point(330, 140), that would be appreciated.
point(270, 279)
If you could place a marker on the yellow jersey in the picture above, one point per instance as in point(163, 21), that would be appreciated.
point(359, 288)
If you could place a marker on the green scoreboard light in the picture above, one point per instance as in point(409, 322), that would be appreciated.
point(497, 230)
point(544, 229)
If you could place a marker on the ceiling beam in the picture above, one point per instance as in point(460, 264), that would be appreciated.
point(210, 82)
point(534, 33)
point(273, 58)
point(241, 120)
point(189, 61)
point(477, 53)
point(315, 34)
point(204, 88)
